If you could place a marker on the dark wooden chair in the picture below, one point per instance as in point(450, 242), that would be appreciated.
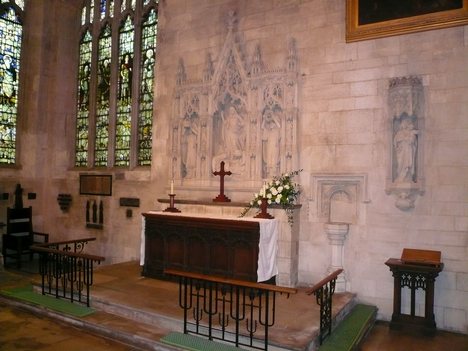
point(20, 235)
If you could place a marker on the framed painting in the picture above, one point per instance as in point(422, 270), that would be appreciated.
point(369, 19)
point(96, 184)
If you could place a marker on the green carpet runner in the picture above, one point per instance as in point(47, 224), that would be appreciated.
point(196, 343)
point(26, 293)
point(351, 330)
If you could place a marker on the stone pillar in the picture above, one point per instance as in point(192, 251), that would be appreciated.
point(336, 233)
point(288, 248)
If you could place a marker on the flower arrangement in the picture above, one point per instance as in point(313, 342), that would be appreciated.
point(281, 191)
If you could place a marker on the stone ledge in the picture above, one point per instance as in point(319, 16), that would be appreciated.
point(222, 204)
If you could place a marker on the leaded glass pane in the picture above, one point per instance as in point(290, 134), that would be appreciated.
point(91, 11)
point(124, 95)
point(145, 113)
point(111, 8)
point(102, 9)
point(10, 50)
point(20, 4)
point(82, 120)
point(83, 15)
point(102, 99)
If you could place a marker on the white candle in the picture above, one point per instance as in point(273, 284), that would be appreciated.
point(172, 187)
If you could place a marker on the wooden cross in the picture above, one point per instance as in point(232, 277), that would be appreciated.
point(222, 173)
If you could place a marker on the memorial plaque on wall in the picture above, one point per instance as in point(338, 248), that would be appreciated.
point(93, 184)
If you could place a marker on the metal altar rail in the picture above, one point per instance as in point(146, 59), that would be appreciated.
point(66, 272)
point(323, 292)
point(231, 310)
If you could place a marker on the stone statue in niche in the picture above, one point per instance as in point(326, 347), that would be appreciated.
point(406, 103)
point(405, 143)
point(271, 141)
point(230, 138)
point(189, 147)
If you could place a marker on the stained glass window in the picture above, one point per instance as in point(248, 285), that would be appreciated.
point(124, 95)
point(115, 85)
point(83, 15)
point(111, 8)
point(102, 8)
point(145, 113)
point(84, 82)
point(91, 11)
point(10, 50)
point(103, 96)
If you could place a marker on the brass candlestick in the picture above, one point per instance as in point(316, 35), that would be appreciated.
point(263, 210)
point(171, 207)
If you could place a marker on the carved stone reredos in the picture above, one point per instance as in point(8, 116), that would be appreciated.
point(239, 112)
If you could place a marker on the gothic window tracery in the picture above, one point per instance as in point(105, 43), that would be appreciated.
point(117, 56)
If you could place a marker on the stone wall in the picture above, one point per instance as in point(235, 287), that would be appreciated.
point(343, 139)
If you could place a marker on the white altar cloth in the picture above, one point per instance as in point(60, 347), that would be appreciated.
point(268, 244)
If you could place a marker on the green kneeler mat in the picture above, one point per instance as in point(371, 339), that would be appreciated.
point(351, 330)
point(26, 293)
point(196, 343)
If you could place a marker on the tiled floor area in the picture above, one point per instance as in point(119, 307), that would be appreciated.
point(22, 330)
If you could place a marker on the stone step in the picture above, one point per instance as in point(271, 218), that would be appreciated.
point(139, 311)
point(351, 330)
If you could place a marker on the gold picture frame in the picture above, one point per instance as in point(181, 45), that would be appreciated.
point(386, 18)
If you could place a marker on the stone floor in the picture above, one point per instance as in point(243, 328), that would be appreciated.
point(297, 321)
point(124, 299)
point(120, 286)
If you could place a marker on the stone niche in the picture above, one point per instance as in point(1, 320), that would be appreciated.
point(239, 112)
point(338, 197)
point(405, 177)
point(339, 203)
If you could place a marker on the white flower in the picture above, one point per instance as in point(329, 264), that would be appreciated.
point(277, 182)
point(251, 203)
point(280, 189)
point(255, 195)
point(269, 202)
point(278, 200)
point(259, 202)
point(287, 186)
point(268, 196)
point(274, 191)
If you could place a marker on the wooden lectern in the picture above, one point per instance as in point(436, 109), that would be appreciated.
point(416, 269)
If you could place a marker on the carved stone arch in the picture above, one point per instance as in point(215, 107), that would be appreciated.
point(190, 136)
point(230, 118)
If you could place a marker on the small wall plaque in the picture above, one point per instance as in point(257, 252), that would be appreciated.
point(129, 202)
point(96, 184)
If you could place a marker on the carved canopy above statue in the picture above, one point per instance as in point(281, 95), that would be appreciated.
point(240, 112)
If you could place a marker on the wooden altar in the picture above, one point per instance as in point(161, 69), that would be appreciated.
point(417, 269)
point(214, 246)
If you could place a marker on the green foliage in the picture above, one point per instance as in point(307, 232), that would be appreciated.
point(281, 191)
